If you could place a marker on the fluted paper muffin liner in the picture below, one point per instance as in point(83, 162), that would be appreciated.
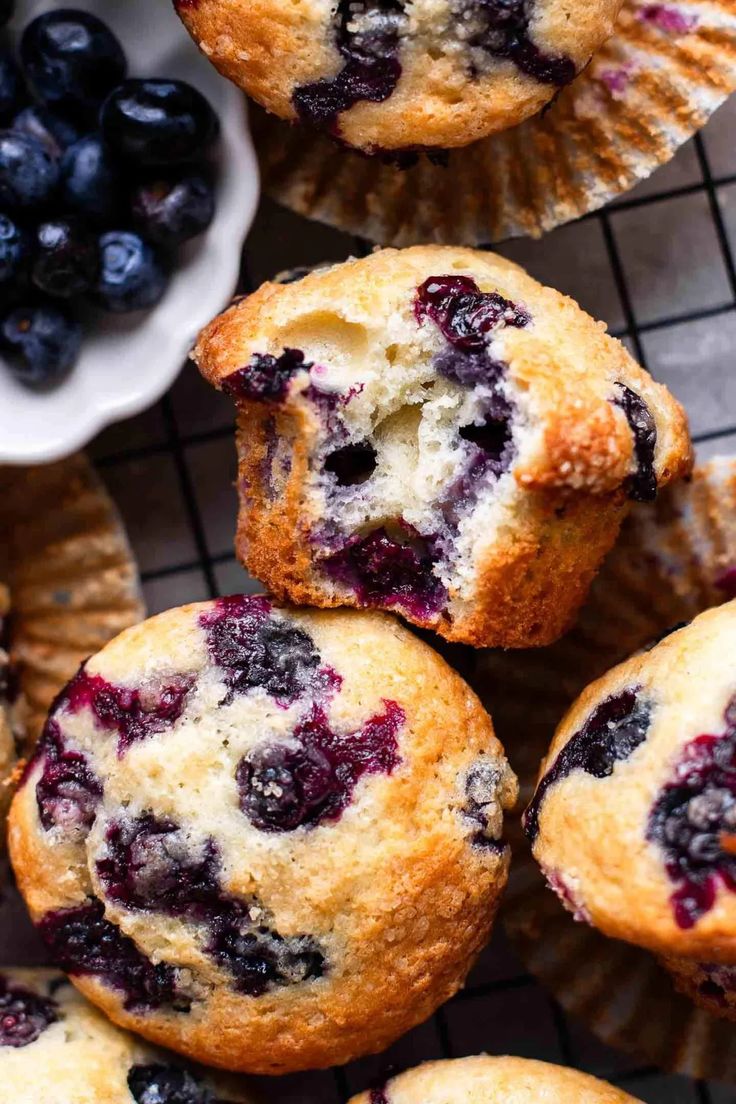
point(72, 576)
point(665, 70)
point(675, 558)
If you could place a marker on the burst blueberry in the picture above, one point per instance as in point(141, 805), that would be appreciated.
point(693, 822)
point(501, 28)
point(284, 785)
point(259, 959)
point(81, 941)
point(255, 649)
point(68, 792)
point(611, 734)
point(465, 314)
point(165, 1084)
point(367, 35)
point(150, 864)
point(385, 571)
point(265, 378)
point(642, 485)
point(135, 713)
point(310, 779)
point(24, 1015)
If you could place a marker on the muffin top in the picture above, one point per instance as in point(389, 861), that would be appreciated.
point(390, 75)
point(634, 816)
point(54, 1047)
point(485, 1080)
point(267, 838)
point(367, 338)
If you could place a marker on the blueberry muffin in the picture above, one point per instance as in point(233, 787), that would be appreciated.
point(431, 431)
point(484, 1080)
point(10, 733)
point(634, 817)
point(55, 1047)
point(387, 75)
point(269, 839)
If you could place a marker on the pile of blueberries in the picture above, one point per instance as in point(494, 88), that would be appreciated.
point(102, 178)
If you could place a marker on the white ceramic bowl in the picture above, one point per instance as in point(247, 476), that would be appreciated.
point(127, 362)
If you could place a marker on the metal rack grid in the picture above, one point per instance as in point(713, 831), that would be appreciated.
point(171, 469)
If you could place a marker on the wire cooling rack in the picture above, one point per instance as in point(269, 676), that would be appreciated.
point(658, 266)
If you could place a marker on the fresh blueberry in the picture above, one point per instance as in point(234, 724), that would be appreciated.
point(65, 258)
point(131, 275)
point(13, 249)
point(53, 132)
point(169, 212)
point(158, 122)
point(71, 60)
point(24, 1015)
point(42, 341)
point(90, 179)
point(28, 173)
point(10, 85)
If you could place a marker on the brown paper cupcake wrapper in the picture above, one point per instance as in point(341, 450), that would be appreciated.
point(649, 88)
point(72, 576)
point(674, 559)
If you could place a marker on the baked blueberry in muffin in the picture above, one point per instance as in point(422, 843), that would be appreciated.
point(432, 432)
point(268, 839)
point(398, 74)
point(54, 1046)
point(11, 713)
point(485, 1080)
point(634, 817)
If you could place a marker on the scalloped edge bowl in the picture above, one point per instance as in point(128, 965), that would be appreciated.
point(128, 362)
